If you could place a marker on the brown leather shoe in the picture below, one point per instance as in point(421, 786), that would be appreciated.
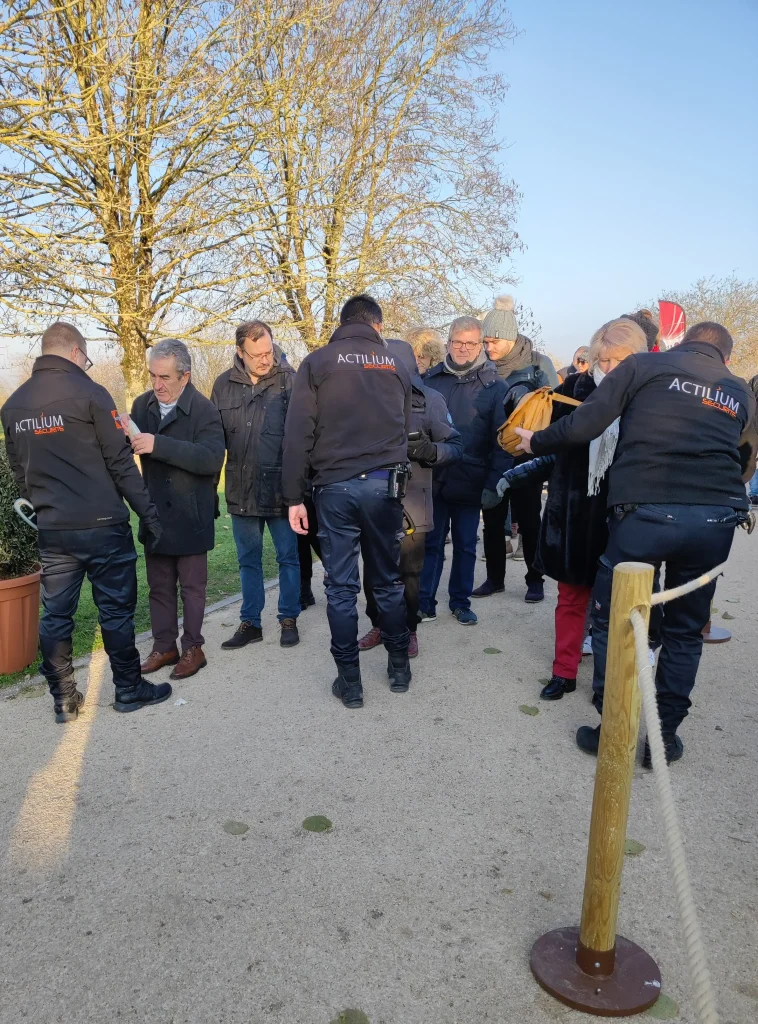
point(190, 662)
point(157, 659)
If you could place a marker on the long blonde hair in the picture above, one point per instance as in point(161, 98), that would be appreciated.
point(617, 335)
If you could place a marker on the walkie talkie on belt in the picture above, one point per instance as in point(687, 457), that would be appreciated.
point(398, 478)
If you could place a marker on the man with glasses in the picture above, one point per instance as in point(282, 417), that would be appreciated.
point(252, 398)
point(474, 393)
point(71, 460)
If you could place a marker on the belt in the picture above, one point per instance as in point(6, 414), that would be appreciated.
point(375, 474)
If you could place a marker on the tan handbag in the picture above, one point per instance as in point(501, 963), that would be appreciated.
point(534, 412)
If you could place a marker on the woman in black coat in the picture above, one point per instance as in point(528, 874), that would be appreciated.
point(574, 531)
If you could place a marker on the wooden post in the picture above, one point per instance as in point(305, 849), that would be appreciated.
point(590, 968)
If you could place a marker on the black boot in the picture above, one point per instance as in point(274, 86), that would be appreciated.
point(671, 744)
point(347, 686)
point(67, 708)
point(488, 588)
point(245, 633)
point(132, 698)
point(307, 600)
point(556, 688)
point(588, 739)
point(399, 671)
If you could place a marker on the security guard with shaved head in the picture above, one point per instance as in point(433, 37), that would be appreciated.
point(680, 426)
point(347, 431)
point(71, 460)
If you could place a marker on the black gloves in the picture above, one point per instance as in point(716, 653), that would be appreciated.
point(422, 449)
point(150, 533)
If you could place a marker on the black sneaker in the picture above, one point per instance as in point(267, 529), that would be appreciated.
point(290, 636)
point(399, 671)
point(488, 588)
point(246, 634)
point(588, 739)
point(556, 688)
point(67, 708)
point(347, 687)
point(307, 600)
point(132, 698)
point(671, 744)
point(535, 592)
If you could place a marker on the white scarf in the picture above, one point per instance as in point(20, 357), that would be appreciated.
point(602, 449)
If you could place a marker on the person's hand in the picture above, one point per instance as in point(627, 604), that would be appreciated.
point(422, 449)
point(503, 484)
point(490, 498)
point(298, 515)
point(150, 534)
point(143, 444)
point(526, 437)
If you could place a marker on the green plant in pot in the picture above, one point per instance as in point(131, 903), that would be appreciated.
point(19, 579)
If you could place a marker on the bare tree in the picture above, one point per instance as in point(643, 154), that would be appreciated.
point(376, 165)
point(117, 125)
point(731, 302)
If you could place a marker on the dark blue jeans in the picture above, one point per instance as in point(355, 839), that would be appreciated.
point(106, 556)
point(463, 522)
point(248, 537)
point(352, 515)
point(690, 539)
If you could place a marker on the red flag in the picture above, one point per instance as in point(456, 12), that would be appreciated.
point(673, 322)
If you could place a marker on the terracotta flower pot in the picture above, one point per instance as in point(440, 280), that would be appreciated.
point(19, 622)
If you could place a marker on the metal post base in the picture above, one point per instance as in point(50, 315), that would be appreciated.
point(715, 634)
point(632, 987)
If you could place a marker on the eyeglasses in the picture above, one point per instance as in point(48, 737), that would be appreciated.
point(465, 346)
point(581, 362)
point(88, 364)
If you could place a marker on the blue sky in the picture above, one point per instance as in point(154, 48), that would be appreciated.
point(632, 134)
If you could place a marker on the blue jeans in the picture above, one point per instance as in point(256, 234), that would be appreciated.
point(463, 521)
point(353, 515)
point(248, 536)
point(752, 487)
point(690, 539)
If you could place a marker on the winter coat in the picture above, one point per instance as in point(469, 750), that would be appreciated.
point(68, 450)
point(475, 404)
point(573, 532)
point(183, 469)
point(253, 416)
point(683, 414)
point(429, 413)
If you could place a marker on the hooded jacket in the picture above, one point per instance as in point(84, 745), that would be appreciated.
point(68, 450)
point(429, 414)
point(350, 412)
point(253, 416)
point(683, 416)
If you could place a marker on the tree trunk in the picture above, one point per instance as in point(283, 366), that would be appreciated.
point(133, 365)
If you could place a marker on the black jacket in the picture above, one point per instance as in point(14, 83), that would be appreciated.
point(475, 404)
point(429, 414)
point(573, 531)
point(68, 451)
point(350, 412)
point(682, 419)
point(183, 470)
point(253, 418)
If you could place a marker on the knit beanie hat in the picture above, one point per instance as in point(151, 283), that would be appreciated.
point(500, 321)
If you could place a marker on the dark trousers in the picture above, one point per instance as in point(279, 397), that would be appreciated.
point(411, 564)
point(354, 514)
point(463, 522)
point(307, 543)
point(690, 539)
point(163, 572)
point(526, 509)
point(106, 556)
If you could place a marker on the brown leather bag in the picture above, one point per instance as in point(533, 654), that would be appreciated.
point(533, 412)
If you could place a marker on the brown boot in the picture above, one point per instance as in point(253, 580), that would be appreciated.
point(157, 659)
point(190, 662)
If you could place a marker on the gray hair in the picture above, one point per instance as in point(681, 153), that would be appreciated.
point(172, 347)
point(465, 323)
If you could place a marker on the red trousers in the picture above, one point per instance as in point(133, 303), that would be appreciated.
point(570, 615)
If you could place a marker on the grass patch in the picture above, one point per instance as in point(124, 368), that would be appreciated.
point(223, 581)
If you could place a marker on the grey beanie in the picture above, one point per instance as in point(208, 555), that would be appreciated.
point(500, 321)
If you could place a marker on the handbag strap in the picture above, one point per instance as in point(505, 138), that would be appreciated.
point(564, 398)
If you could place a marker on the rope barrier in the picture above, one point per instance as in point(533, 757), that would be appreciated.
point(705, 998)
